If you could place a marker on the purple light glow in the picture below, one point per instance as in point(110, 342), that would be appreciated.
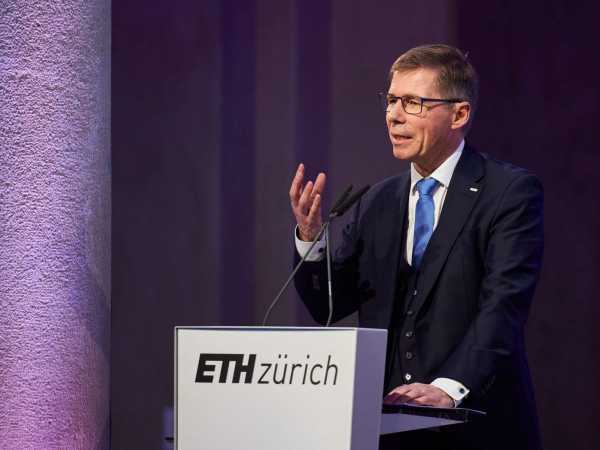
point(55, 225)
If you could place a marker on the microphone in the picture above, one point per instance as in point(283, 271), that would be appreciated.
point(341, 199)
point(340, 206)
point(344, 205)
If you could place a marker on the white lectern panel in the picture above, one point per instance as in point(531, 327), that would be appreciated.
point(278, 388)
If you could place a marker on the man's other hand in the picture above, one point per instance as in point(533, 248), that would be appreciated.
point(306, 204)
point(419, 394)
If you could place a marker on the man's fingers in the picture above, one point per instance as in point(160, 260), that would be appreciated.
point(295, 188)
point(305, 200)
point(315, 209)
point(401, 390)
point(391, 399)
point(404, 394)
point(405, 389)
point(394, 399)
point(400, 394)
point(319, 186)
point(419, 394)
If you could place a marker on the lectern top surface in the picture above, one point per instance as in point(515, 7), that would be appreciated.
point(460, 414)
point(276, 328)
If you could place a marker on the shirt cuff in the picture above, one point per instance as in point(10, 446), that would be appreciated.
point(453, 388)
point(317, 253)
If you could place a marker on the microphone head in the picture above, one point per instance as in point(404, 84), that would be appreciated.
point(342, 198)
point(349, 202)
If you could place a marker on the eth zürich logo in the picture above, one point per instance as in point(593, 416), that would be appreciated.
point(281, 371)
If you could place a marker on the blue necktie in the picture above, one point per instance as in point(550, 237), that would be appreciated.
point(424, 217)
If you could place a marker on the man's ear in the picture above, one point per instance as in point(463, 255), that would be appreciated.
point(461, 115)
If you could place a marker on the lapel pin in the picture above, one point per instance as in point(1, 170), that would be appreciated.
point(473, 189)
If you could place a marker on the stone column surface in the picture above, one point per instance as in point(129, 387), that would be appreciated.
point(54, 224)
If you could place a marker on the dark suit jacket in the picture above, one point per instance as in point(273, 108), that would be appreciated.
point(474, 290)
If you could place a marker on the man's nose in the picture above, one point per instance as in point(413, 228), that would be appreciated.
point(395, 113)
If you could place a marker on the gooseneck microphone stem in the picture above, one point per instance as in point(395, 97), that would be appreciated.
point(340, 207)
point(324, 227)
point(329, 282)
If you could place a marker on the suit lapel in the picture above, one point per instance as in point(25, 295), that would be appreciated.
point(388, 239)
point(391, 214)
point(464, 189)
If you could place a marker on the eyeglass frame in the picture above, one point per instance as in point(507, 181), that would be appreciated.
point(384, 97)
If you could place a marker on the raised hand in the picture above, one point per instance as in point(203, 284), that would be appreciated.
point(306, 203)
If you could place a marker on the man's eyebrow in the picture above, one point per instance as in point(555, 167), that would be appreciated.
point(389, 94)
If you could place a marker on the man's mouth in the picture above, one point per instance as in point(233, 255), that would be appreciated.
point(400, 138)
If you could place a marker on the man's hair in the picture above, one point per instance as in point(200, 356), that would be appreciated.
point(456, 78)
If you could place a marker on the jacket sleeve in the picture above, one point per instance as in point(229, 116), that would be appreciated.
point(311, 279)
point(511, 269)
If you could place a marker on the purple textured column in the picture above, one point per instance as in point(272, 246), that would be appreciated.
point(54, 224)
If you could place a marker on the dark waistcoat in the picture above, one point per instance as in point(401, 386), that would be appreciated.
point(400, 365)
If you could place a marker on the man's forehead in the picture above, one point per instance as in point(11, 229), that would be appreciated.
point(421, 81)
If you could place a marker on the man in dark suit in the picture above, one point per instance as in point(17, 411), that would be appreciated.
point(445, 257)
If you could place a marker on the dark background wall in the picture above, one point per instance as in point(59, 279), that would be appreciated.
point(215, 103)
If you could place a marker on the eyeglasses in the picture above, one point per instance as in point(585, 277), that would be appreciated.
point(410, 103)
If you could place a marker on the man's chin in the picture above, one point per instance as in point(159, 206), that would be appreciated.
point(402, 153)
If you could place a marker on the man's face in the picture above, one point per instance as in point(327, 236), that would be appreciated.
point(426, 139)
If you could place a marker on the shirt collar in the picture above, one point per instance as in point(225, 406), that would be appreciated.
point(443, 174)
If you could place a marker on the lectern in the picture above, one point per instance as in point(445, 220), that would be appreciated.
point(273, 388)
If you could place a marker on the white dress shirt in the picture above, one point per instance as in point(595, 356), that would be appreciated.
point(443, 174)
